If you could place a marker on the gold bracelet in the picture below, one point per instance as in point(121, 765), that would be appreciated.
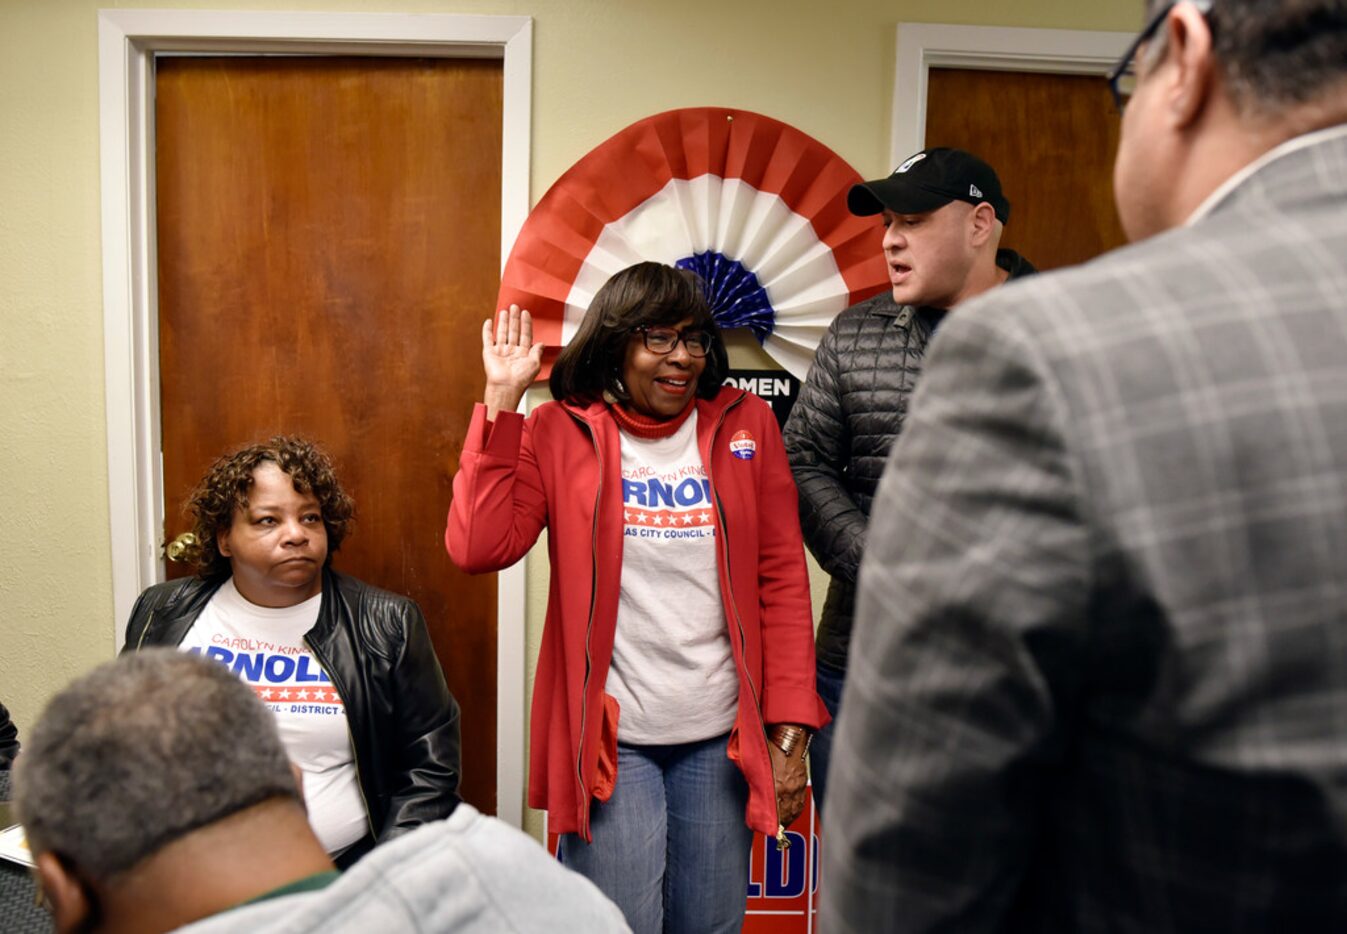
point(786, 737)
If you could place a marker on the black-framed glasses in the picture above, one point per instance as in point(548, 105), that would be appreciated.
point(664, 340)
point(1122, 80)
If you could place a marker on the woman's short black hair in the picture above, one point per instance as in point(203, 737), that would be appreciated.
point(644, 295)
point(225, 488)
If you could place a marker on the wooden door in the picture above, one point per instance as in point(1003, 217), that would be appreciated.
point(328, 245)
point(1051, 139)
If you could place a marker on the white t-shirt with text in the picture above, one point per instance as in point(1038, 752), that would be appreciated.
point(265, 647)
point(673, 672)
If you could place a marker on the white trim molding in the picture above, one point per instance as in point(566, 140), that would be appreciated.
point(923, 46)
point(128, 41)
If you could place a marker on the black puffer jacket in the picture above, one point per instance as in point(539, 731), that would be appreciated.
point(838, 436)
point(374, 646)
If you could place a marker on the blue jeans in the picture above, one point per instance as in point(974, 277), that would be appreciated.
point(670, 846)
point(828, 682)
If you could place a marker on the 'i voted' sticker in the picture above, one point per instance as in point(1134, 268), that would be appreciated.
point(743, 446)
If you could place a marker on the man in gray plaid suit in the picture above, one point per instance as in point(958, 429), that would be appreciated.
point(1099, 675)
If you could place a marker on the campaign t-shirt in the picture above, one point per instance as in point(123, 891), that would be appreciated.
point(673, 672)
point(265, 647)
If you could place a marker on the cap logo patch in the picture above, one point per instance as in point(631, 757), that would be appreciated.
point(743, 446)
point(909, 163)
point(974, 191)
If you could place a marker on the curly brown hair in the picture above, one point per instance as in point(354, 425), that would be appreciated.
point(225, 488)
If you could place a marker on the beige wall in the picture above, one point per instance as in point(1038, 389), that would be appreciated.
point(825, 67)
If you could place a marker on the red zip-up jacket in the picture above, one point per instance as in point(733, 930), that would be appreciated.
point(561, 468)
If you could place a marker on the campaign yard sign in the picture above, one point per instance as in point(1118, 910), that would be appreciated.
point(783, 885)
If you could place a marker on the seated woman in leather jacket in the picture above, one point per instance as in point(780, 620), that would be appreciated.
point(348, 669)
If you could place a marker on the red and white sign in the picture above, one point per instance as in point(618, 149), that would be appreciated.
point(783, 886)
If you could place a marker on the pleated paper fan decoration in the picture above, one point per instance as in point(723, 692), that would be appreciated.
point(755, 207)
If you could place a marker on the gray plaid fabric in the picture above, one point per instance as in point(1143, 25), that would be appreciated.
point(1099, 675)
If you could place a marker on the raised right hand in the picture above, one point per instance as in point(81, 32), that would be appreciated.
point(510, 358)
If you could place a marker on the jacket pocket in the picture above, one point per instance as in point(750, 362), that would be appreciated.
point(605, 778)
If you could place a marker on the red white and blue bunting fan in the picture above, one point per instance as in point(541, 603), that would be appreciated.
point(755, 207)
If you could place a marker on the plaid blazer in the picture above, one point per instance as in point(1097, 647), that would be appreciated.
point(1099, 675)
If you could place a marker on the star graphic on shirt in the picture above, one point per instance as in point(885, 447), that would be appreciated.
point(285, 695)
point(265, 693)
point(642, 517)
point(626, 515)
point(705, 517)
point(659, 518)
point(687, 518)
point(303, 695)
point(332, 696)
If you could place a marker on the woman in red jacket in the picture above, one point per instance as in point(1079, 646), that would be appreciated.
point(674, 695)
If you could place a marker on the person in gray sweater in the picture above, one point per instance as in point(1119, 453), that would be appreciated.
point(156, 795)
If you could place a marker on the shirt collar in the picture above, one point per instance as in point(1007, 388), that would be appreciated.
point(1295, 144)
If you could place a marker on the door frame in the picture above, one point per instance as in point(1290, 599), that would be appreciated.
point(128, 40)
point(923, 46)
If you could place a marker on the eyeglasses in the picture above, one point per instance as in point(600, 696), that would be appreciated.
point(1122, 80)
point(664, 340)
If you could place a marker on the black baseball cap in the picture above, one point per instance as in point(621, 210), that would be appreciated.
point(928, 180)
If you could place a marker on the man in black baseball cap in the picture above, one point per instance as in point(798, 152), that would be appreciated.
point(943, 214)
point(929, 180)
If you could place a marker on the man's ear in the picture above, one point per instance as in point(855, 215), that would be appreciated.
point(982, 223)
point(72, 906)
point(1188, 52)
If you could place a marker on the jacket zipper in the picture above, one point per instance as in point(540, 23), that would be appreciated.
point(145, 630)
point(734, 605)
point(355, 755)
point(589, 631)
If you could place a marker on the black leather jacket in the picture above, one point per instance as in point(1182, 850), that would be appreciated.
point(850, 409)
point(9, 739)
point(375, 647)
